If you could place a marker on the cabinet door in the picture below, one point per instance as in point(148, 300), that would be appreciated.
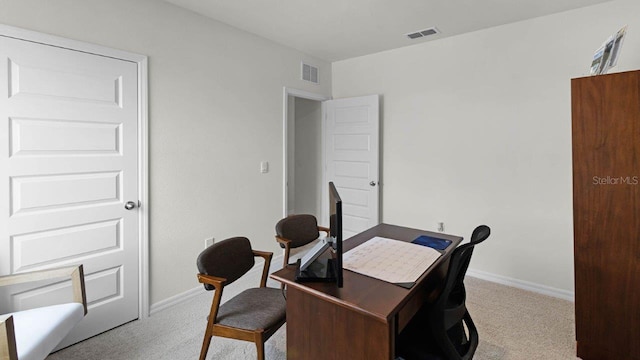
point(606, 172)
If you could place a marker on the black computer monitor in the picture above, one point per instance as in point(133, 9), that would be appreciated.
point(335, 225)
point(313, 267)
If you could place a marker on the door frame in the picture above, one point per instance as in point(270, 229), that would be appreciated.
point(143, 137)
point(285, 146)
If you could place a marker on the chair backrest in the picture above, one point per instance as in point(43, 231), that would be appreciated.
point(300, 229)
point(229, 259)
point(453, 292)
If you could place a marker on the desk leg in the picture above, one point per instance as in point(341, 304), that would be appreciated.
point(320, 329)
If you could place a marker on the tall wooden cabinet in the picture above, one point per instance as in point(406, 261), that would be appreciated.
point(606, 214)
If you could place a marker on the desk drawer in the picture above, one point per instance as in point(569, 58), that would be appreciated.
point(426, 294)
point(410, 309)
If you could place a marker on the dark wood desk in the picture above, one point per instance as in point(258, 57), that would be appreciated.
point(361, 319)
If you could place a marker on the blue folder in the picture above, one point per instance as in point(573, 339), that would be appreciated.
point(435, 243)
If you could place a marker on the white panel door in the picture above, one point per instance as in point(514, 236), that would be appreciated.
point(68, 165)
point(352, 157)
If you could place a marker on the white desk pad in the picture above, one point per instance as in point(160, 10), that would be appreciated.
point(390, 260)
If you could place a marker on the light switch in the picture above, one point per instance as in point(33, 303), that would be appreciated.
point(264, 167)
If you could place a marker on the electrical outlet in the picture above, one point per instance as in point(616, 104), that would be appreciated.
point(440, 226)
point(208, 242)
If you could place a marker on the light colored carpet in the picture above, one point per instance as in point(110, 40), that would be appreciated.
point(513, 324)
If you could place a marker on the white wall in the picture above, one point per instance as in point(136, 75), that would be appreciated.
point(308, 157)
point(477, 129)
point(215, 105)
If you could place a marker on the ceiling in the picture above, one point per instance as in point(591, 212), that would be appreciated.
point(340, 29)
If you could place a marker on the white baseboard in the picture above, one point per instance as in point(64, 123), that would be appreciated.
point(253, 277)
point(525, 285)
point(250, 279)
point(176, 299)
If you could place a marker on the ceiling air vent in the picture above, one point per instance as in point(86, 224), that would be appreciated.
point(423, 33)
point(310, 73)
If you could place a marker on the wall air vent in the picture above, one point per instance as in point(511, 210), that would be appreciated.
point(423, 33)
point(310, 73)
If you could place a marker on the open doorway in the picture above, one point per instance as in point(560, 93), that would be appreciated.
point(305, 156)
point(332, 140)
point(303, 153)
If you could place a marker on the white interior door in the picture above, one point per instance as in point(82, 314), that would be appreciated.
point(352, 160)
point(68, 165)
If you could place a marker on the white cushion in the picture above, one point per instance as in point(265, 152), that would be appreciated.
point(38, 331)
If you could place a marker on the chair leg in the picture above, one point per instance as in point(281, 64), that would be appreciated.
point(205, 343)
point(259, 345)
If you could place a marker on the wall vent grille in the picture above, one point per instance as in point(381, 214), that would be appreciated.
point(423, 33)
point(310, 73)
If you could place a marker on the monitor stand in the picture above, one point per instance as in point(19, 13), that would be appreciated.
point(321, 270)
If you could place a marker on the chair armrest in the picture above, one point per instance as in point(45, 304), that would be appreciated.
point(264, 254)
point(75, 272)
point(217, 282)
point(283, 241)
point(267, 263)
point(325, 229)
point(287, 249)
point(8, 349)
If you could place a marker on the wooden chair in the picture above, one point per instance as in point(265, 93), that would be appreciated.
point(253, 315)
point(33, 334)
point(297, 230)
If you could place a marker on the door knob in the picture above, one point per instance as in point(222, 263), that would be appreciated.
point(373, 183)
point(129, 205)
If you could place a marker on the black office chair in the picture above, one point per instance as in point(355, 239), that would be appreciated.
point(438, 330)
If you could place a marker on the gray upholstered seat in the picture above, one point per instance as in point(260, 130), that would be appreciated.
point(253, 309)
